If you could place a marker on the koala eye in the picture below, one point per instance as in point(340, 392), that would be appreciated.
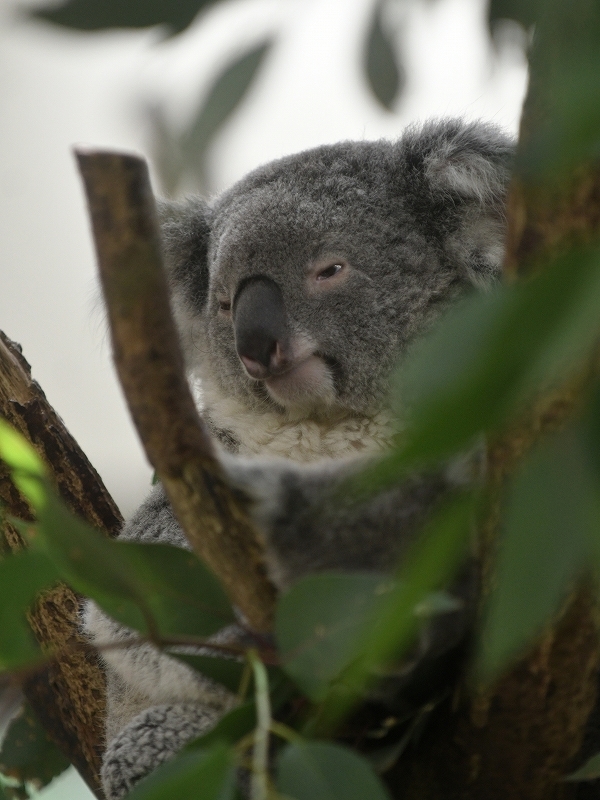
point(329, 272)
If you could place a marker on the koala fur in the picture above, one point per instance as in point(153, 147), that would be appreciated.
point(296, 292)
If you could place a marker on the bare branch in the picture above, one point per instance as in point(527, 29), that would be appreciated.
point(150, 367)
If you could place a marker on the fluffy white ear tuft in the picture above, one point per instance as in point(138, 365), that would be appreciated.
point(471, 162)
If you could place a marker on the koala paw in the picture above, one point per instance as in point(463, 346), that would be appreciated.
point(150, 739)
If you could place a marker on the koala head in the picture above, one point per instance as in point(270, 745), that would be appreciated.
point(299, 288)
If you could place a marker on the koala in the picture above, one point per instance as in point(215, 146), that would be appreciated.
point(296, 293)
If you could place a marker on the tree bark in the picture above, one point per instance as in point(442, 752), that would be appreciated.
point(68, 694)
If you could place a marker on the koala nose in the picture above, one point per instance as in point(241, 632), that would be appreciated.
point(260, 327)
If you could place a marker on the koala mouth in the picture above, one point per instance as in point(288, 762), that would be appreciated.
point(307, 384)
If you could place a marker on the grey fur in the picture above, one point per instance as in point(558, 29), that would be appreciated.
point(408, 226)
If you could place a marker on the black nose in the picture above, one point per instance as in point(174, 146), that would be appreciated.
point(260, 326)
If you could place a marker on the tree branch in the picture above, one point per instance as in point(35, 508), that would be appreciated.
point(68, 694)
point(151, 370)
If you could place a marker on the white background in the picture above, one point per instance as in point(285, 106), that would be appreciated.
point(59, 88)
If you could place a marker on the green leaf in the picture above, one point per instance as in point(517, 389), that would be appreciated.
point(320, 622)
point(326, 771)
point(430, 564)
point(22, 577)
point(592, 422)
point(230, 728)
point(192, 775)
point(225, 671)
point(564, 94)
point(17, 453)
point(225, 94)
point(382, 68)
point(551, 522)
point(28, 753)
point(144, 586)
point(482, 361)
point(523, 11)
point(590, 771)
point(92, 15)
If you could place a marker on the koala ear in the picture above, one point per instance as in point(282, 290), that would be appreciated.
point(464, 169)
point(185, 230)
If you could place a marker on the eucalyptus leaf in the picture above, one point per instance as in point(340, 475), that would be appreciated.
point(523, 11)
point(382, 68)
point(487, 356)
point(326, 771)
point(226, 671)
point(564, 95)
point(592, 423)
point(590, 771)
point(229, 729)
point(320, 623)
point(151, 587)
point(22, 577)
point(226, 93)
point(550, 529)
point(192, 775)
point(28, 754)
point(92, 15)
point(429, 566)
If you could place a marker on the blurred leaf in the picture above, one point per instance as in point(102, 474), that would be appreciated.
point(383, 71)
point(149, 587)
point(91, 15)
point(523, 11)
point(226, 93)
point(22, 577)
point(592, 422)
point(552, 519)
point(437, 603)
point(192, 775)
point(564, 95)
point(590, 771)
point(320, 622)
point(140, 585)
point(225, 671)
point(28, 753)
point(482, 361)
point(325, 771)
point(430, 564)
point(230, 728)
point(17, 453)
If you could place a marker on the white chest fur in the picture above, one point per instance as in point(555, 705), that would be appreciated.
point(305, 440)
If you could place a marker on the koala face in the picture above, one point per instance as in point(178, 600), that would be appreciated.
point(300, 287)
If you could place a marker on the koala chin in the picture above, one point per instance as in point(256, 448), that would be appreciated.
point(296, 292)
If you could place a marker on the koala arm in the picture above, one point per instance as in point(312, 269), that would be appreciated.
point(309, 526)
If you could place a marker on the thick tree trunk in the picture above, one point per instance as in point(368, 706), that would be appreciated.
point(68, 695)
point(520, 737)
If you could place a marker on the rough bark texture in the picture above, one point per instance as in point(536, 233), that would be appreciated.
point(150, 367)
point(68, 695)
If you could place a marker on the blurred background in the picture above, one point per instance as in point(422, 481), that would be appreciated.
point(247, 81)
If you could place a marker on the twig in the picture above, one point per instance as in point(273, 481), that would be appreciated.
point(150, 367)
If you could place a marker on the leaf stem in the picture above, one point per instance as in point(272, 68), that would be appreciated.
point(259, 786)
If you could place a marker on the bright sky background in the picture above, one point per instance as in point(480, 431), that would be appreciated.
point(59, 88)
